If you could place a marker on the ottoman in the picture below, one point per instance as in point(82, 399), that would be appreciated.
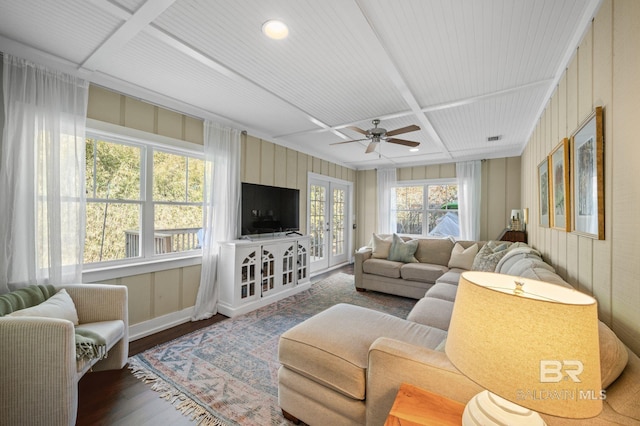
point(324, 360)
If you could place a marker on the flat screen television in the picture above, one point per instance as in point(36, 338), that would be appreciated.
point(269, 209)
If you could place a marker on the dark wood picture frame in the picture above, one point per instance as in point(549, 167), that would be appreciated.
point(560, 187)
point(543, 193)
point(587, 177)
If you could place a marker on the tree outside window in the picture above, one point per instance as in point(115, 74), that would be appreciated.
point(429, 209)
point(120, 203)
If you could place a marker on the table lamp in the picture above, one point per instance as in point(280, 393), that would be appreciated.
point(532, 345)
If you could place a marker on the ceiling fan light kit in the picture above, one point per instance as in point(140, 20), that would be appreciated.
point(377, 134)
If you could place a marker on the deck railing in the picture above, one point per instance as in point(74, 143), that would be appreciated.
point(164, 241)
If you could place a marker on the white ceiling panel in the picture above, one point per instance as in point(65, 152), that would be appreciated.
point(69, 29)
point(461, 70)
point(327, 66)
point(146, 62)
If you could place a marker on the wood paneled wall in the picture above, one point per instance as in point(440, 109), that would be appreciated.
point(266, 163)
point(164, 292)
point(500, 194)
point(603, 72)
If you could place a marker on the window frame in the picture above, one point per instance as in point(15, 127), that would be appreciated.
point(150, 262)
point(425, 183)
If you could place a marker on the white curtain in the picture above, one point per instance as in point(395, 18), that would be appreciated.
point(469, 175)
point(221, 209)
point(386, 183)
point(42, 164)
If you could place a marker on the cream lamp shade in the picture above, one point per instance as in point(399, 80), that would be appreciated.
point(532, 343)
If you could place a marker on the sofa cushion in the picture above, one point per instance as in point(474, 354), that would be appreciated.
point(432, 312)
point(423, 272)
point(613, 355)
point(463, 257)
point(332, 347)
point(380, 246)
point(544, 274)
point(452, 276)
point(489, 255)
point(434, 250)
point(443, 291)
point(522, 265)
point(514, 255)
point(403, 251)
point(59, 306)
point(382, 267)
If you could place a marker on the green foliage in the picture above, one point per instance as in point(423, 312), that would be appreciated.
point(113, 172)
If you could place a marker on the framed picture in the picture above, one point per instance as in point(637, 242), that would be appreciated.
point(587, 176)
point(543, 192)
point(559, 187)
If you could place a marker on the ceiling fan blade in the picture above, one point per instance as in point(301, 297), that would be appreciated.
point(354, 140)
point(371, 147)
point(357, 129)
point(407, 129)
point(403, 142)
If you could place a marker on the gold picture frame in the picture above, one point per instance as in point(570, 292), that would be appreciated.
point(559, 187)
point(543, 193)
point(587, 177)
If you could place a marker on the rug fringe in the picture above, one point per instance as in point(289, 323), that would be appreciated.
point(179, 400)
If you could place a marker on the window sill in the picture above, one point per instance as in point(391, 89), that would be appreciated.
point(104, 273)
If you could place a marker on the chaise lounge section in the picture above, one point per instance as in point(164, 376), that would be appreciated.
point(345, 365)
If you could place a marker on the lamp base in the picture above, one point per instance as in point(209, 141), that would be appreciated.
point(487, 408)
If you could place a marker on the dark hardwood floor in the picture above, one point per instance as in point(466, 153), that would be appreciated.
point(118, 398)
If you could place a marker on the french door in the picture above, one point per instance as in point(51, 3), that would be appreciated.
point(329, 212)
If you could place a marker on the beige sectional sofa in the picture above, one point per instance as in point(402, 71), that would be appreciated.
point(344, 366)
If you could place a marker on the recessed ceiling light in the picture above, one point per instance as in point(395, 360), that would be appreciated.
point(274, 29)
point(414, 149)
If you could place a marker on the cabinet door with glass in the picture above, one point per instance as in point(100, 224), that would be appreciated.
point(249, 264)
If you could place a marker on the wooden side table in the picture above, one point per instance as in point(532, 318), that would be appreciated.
point(414, 406)
point(514, 236)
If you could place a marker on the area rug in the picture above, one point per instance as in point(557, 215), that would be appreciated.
point(226, 374)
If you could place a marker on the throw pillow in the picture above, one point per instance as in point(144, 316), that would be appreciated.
point(380, 247)
point(60, 305)
point(463, 258)
point(488, 257)
point(402, 251)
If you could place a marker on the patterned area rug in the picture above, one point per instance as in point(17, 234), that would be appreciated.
point(226, 374)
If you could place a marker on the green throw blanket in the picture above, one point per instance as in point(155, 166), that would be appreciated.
point(90, 345)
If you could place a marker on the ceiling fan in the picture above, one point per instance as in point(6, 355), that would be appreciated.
point(377, 134)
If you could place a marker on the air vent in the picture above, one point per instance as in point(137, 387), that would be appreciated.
point(493, 138)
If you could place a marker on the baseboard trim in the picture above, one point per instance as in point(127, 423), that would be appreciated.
point(161, 323)
point(231, 312)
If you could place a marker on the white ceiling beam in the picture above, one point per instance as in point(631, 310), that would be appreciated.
point(140, 19)
point(387, 63)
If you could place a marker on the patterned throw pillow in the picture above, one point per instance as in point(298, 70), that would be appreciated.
point(402, 251)
point(489, 255)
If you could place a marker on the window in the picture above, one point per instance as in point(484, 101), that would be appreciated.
point(143, 201)
point(429, 209)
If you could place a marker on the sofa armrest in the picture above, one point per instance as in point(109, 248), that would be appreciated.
point(360, 256)
point(104, 302)
point(38, 371)
point(392, 362)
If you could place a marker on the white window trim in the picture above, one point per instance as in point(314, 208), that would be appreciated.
point(423, 182)
point(93, 272)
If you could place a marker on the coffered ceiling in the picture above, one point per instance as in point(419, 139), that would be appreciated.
point(462, 70)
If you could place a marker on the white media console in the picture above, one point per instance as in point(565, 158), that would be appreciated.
point(255, 273)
